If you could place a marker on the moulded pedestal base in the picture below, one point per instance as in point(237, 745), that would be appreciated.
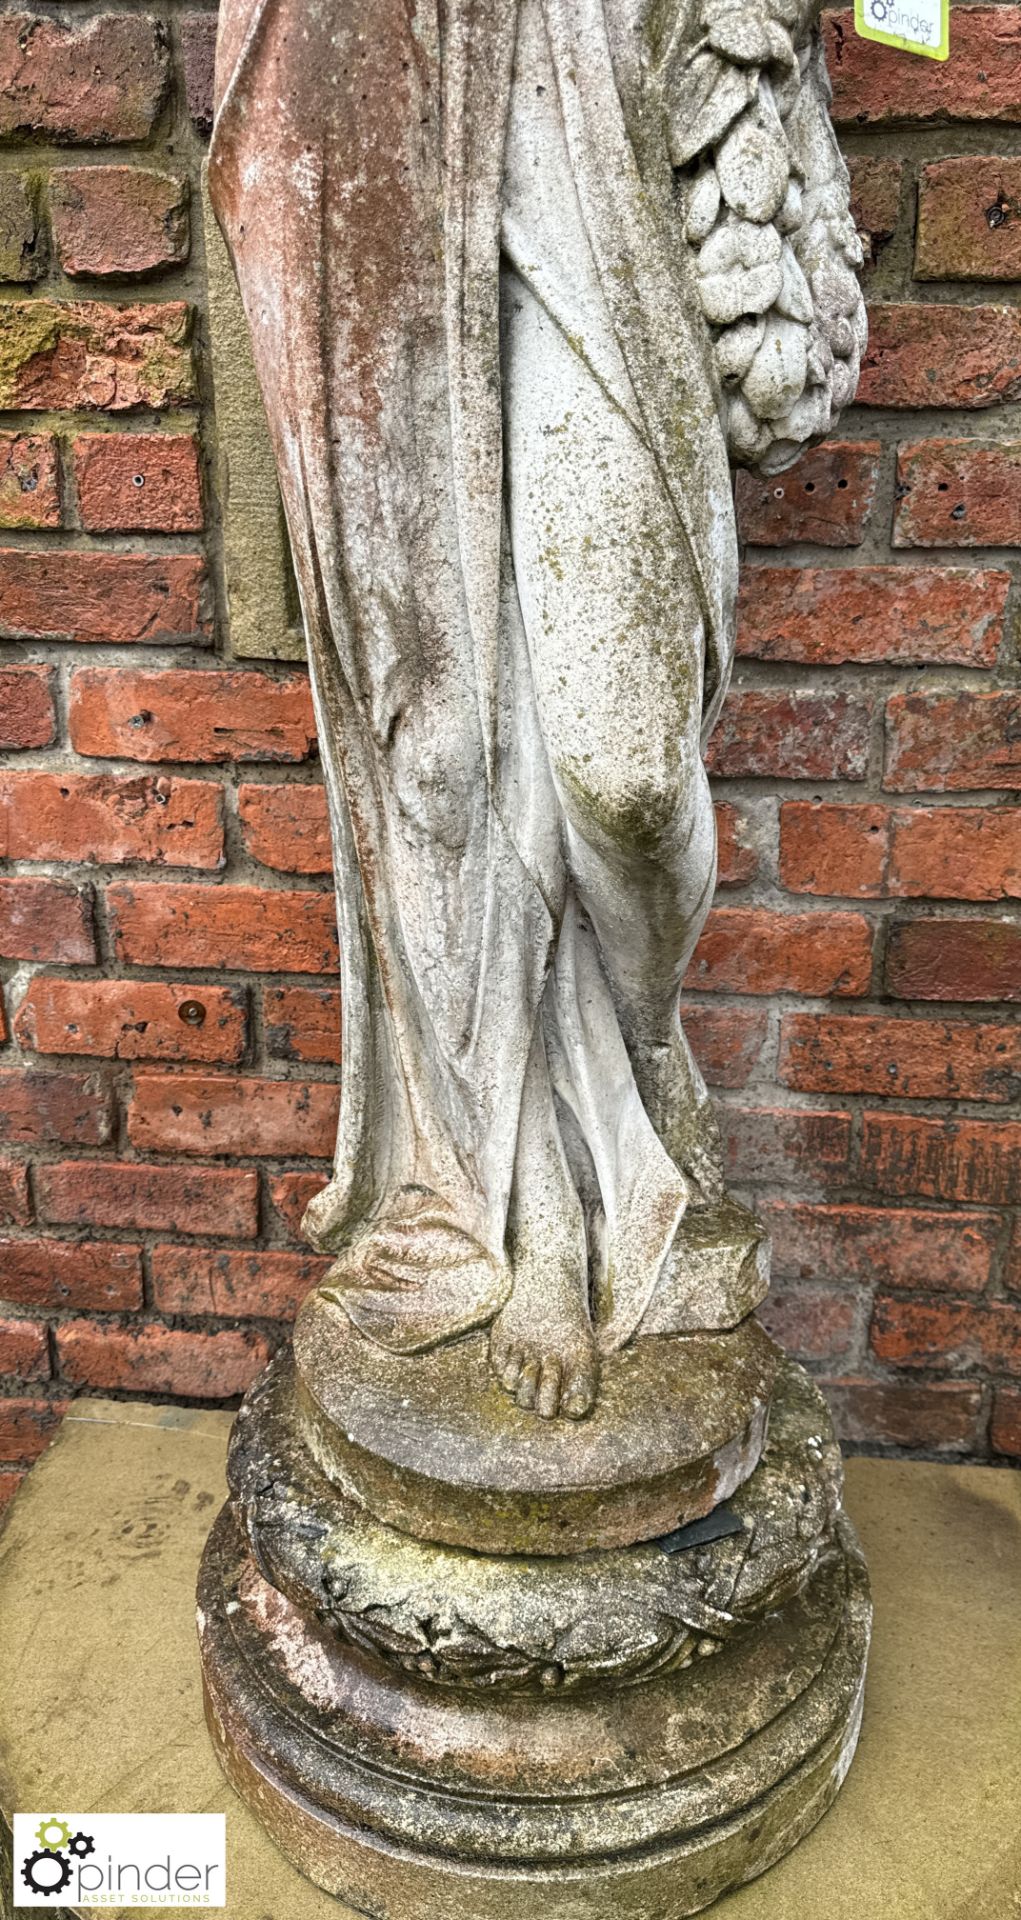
point(99, 1553)
point(414, 1801)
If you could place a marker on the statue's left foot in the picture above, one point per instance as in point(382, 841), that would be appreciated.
point(543, 1351)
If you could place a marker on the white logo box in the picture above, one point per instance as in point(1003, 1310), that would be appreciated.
point(158, 1860)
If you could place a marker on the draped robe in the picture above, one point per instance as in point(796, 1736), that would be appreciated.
point(361, 171)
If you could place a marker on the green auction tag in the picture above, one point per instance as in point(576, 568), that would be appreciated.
point(916, 26)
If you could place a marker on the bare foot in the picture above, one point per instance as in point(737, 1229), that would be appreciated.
point(543, 1350)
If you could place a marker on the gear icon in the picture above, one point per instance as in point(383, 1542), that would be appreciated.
point(81, 1845)
point(44, 1833)
point(48, 1885)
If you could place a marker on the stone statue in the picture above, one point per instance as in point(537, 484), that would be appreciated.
point(523, 277)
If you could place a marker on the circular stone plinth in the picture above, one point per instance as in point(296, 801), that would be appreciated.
point(525, 1622)
point(432, 1445)
point(639, 1803)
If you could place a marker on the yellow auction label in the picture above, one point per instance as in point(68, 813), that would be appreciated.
point(916, 26)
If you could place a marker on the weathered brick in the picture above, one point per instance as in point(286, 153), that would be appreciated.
point(27, 716)
point(814, 1322)
point(910, 616)
point(28, 1426)
point(875, 85)
point(972, 1160)
point(754, 950)
point(45, 920)
point(29, 480)
point(92, 1275)
point(285, 826)
point(111, 818)
point(22, 249)
point(103, 79)
point(950, 742)
point(1012, 1275)
point(202, 1280)
point(210, 1114)
point(133, 1020)
point(65, 1109)
point(727, 1042)
point(781, 733)
point(941, 1418)
point(198, 48)
point(81, 353)
point(290, 1194)
point(826, 497)
point(24, 1353)
point(262, 929)
point(955, 853)
point(113, 221)
point(872, 852)
point(947, 1333)
point(1005, 1429)
point(954, 960)
point(151, 1358)
point(195, 716)
point(302, 1023)
point(968, 225)
point(737, 858)
point(913, 1059)
point(958, 493)
point(780, 1146)
point(940, 356)
point(112, 599)
point(882, 1246)
point(220, 1201)
point(10, 1481)
point(138, 482)
point(15, 1205)
point(834, 848)
point(875, 199)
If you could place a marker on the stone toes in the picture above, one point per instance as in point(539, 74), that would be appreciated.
point(547, 1402)
point(510, 1370)
point(579, 1393)
point(528, 1384)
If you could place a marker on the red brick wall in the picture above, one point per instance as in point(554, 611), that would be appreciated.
point(168, 1086)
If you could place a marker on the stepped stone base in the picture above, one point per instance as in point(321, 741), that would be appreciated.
point(414, 1807)
point(622, 1731)
point(99, 1553)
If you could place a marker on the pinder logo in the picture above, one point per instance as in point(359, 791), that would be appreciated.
point(159, 1860)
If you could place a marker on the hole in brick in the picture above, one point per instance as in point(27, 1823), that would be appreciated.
point(942, 486)
point(778, 493)
point(841, 484)
point(141, 719)
point(138, 479)
point(957, 513)
point(192, 1012)
point(809, 486)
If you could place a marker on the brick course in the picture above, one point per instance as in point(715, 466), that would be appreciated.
point(170, 1036)
point(113, 222)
